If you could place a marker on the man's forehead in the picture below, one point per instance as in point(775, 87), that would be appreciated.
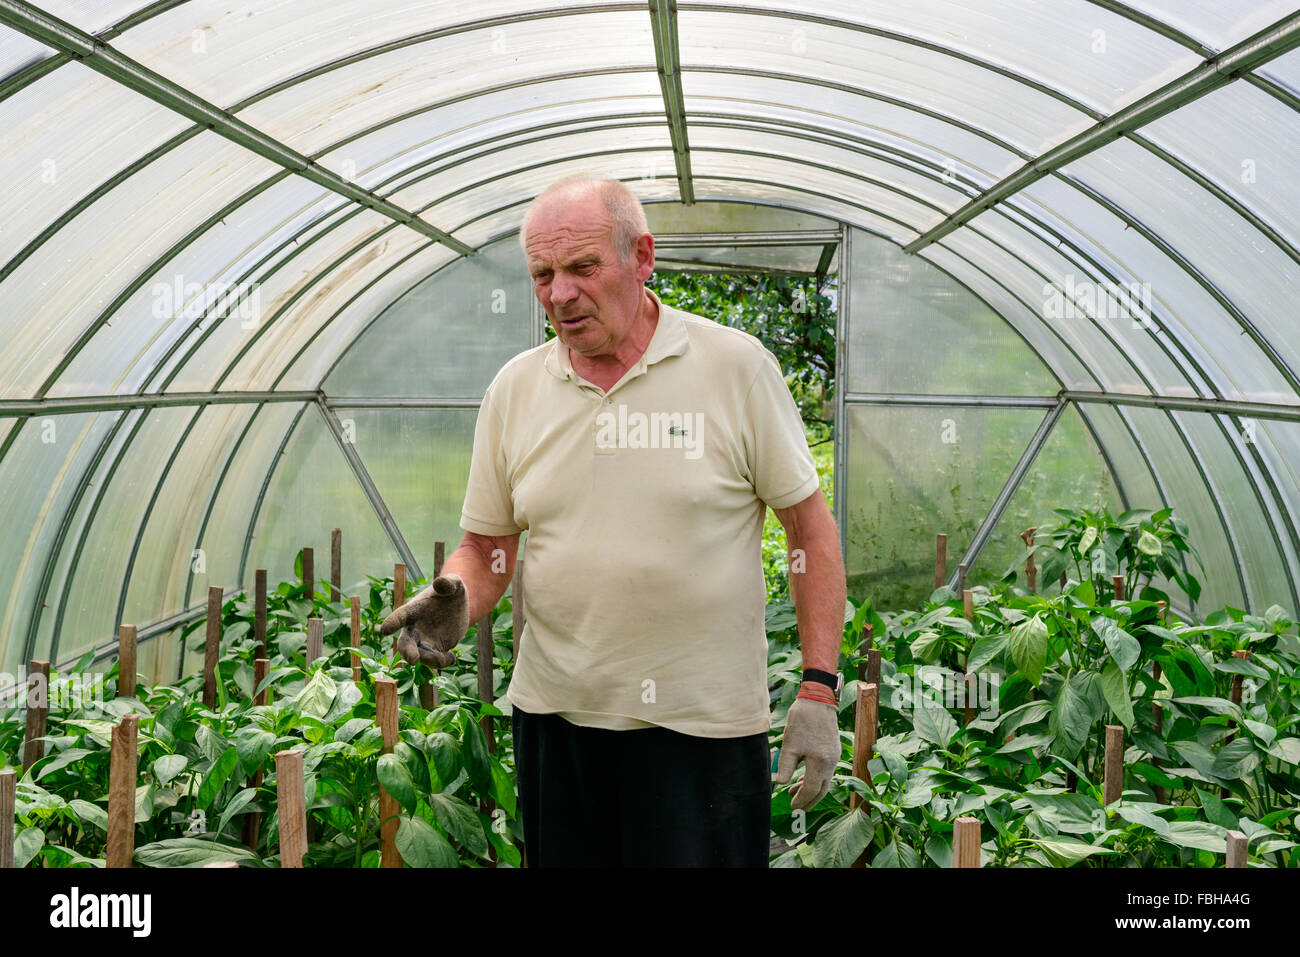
point(566, 241)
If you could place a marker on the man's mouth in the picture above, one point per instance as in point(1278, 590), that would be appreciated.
point(573, 323)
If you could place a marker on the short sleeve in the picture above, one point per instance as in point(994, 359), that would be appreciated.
point(489, 505)
point(776, 448)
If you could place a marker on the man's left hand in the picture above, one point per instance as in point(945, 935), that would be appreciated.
point(812, 735)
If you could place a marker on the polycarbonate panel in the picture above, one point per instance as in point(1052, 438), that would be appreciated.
point(982, 98)
point(1250, 271)
point(1064, 365)
point(1192, 500)
point(1254, 530)
point(90, 613)
point(1069, 472)
point(780, 260)
point(965, 155)
point(1133, 477)
point(220, 343)
point(447, 337)
point(61, 290)
point(704, 217)
point(168, 549)
point(912, 329)
point(313, 491)
point(91, 15)
point(424, 486)
point(1259, 170)
point(1279, 445)
point(914, 472)
point(893, 173)
point(219, 272)
point(1284, 70)
point(795, 195)
point(39, 475)
point(19, 51)
point(1217, 23)
point(314, 113)
point(337, 332)
point(52, 167)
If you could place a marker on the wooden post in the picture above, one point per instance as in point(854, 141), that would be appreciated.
point(386, 714)
point(399, 595)
point(968, 604)
point(940, 560)
point(873, 666)
point(253, 822)
point(486, 686)
point(356, 638)
point(865, 722)
point(259, 612)
point(966, 842)
point(1113, 785)
point(121, 793)
point(336, 565)
point(212, 648)
point(961, 577)
point(968, 697)
point(517, 609)
point(864, 650)
point(1237, 853)
point(308, 572)
point(439, 557)
point(1117, 583)
point(292, 806)
point(1031, 569)
point(261, 668)
point(315, 639)
point(1159, 716)
point(126, 669)
point(38, 705)
point(1236, 699)
point(8, 779)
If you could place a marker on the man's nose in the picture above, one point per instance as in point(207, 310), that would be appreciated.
point(563, 289)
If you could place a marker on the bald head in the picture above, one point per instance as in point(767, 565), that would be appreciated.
point(624, 210)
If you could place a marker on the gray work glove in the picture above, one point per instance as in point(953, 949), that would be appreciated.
point(432, 623)
point(812, 735)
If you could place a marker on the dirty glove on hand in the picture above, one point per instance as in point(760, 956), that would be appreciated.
point(812, 735)
point(432, 623)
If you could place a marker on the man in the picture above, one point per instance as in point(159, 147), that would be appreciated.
point(641, 449)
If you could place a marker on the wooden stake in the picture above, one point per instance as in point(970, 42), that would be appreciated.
point(315, 639)
point(1159, 716)
point(123, 755)
point(486, 686)
point(292, 806)
point(873, 666)
point(399, 595)
point(961, 577)
point(1117, 583)
point(336, 564)
point(259, 612)
point(308, 572)
point(261, 668)
point(356, 638)
point(1114, 781)
point(439, 555)
point(38, 705)
point(969, 697)
point(126, 669)
point(212, 648)
point(1236, 699)
point(940, 560)
point(517, 609)
point(8, 779)
point(968, 604)
point(864, 650)
point(865, 722)
point(1237, 853)
point(966, 842)
point(1031, 569)
point(253, 822)
point(386, 714)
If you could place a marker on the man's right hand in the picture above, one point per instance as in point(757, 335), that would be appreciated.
point(432, 623)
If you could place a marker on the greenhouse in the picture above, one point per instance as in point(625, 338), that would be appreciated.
point(260, 262)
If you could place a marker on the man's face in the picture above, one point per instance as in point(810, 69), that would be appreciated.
point(591, 297)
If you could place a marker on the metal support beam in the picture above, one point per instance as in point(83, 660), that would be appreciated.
point(663, 24)
point(372, 492)
point(790, 237)
point(1009, 489)
point(104, 59)
point(944, 401)
point(1250, 410)
point(1214, 73)
point(10, 408)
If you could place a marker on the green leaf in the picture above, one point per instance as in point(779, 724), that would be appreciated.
point(503, 788)
point(64, 758)
point(396, 779)
point(445, 755)
point(1149, 544)
point(1286, 749)
point(192, 852)
point(27, 844)
point(217, 777)
point(1089, 536)
point(1115, 687)
point(235, 805)
point(934, 724)
point(1216, 812)
point(1237, 759)
point(317, 695)
point(475, 754)
point(1072, 717)
point(1139, 815)
point(1198, 834)
point(985, 649)
point(1124, 648)
point(1235, 666)
point(253, 745)
point(926, 646)
point(168, 766)
point(460, 821)
point(1065, 852)
point(839, 842)
point(1028, 645)
point(93, 813)
point(421, 845)
point(896, 853)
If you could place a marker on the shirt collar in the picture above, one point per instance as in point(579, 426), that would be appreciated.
point(669, 339)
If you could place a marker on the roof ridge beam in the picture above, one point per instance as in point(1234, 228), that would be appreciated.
point(663, 25)
point(1214, 73)
point(104, 59)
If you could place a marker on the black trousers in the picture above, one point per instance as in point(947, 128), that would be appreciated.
point(649, 797)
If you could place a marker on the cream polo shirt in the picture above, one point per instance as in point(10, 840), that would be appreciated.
point(644, 508)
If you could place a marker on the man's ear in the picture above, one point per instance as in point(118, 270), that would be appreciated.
point(644, 254)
